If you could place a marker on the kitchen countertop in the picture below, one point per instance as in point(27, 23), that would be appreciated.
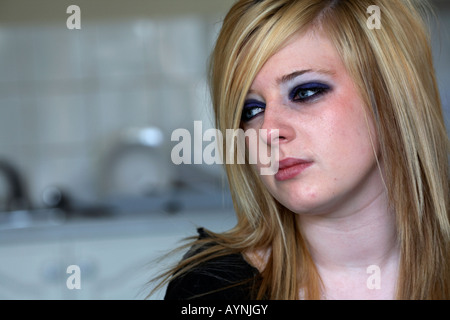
point(183, 223)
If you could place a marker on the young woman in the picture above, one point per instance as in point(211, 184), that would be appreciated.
point(359, 208)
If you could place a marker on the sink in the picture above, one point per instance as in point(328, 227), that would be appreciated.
point(114, 208)
point(48, 217)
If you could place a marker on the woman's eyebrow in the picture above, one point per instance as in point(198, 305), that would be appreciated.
point(295, 74)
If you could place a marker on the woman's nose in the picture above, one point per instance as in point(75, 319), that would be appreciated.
point(276, 126)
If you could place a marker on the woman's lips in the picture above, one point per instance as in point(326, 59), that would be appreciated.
point(290, 168)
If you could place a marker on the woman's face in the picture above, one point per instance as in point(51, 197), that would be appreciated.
point(327, 144)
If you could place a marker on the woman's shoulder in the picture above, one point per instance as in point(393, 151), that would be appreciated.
point(229, 276)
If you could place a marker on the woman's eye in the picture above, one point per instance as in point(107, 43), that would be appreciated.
point(304, 94)
point(307, 92)
point(251, 110)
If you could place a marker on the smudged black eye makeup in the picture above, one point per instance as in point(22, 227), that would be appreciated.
point(308, 92)
point(251, 109)
point(304, 93)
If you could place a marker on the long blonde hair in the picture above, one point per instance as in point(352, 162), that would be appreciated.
point(393, 69)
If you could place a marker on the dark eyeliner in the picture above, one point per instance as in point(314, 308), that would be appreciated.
point(317, 88)
point(250, 105)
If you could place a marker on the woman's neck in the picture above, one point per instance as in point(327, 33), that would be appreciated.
point(347, 248)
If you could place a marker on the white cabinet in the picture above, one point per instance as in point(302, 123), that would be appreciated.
point(116, 258)
point(31, 270)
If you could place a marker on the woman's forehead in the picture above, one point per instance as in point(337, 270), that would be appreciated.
point(303, 53)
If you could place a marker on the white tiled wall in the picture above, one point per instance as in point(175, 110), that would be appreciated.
point(65, 93)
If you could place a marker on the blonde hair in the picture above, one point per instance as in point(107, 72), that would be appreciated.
point(393, 69)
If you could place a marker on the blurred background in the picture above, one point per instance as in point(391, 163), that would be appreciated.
point(86, 117)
